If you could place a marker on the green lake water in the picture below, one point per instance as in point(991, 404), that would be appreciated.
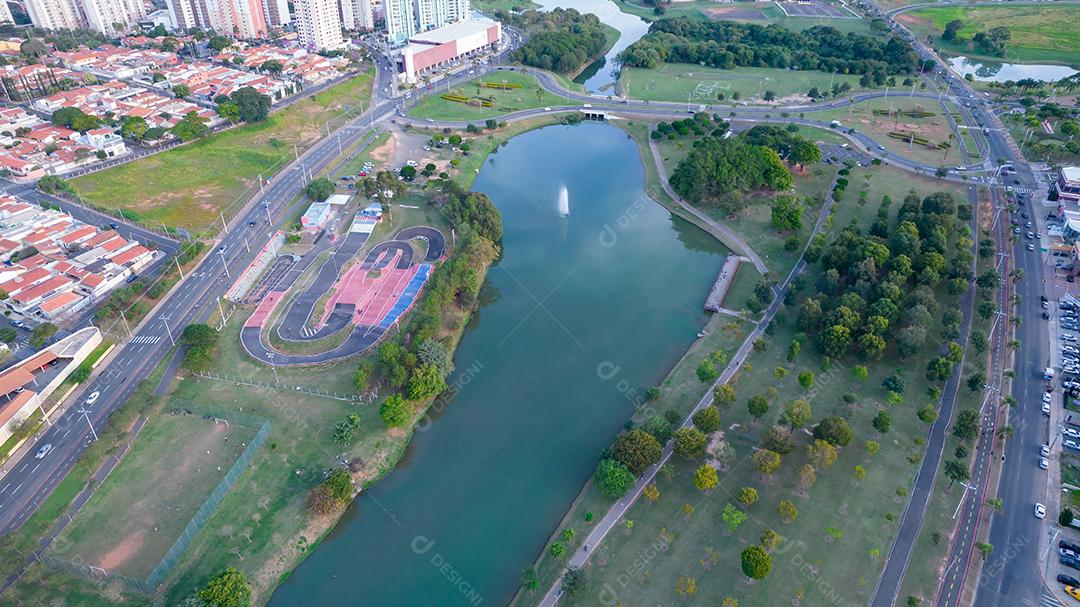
point(580, 314)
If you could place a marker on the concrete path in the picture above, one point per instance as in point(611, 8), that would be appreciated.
point(726, 235)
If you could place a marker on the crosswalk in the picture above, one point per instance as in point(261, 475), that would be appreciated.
point(146, 339)
point(1048, 600)
point(308, 331)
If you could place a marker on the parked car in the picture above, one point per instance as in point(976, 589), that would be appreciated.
point(1046, 409)
point(1069, 562)
point(1074, 548)
point(1046, 399)
point(1071, 444)
point(1030, 247)
point(1073, 591)
point(1040, 511)
point(43, 451)
point(1045, 464)
point(1067, 337)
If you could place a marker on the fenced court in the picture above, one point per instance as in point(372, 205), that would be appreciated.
point(138, 523)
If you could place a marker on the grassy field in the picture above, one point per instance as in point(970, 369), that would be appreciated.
point(529, 96)
point(191, 184)
point(1040, 34)
point(141, 508)
point(763, 13)
point(935, 128)
point(488, 7)
point(679, 548)
point(699, 84)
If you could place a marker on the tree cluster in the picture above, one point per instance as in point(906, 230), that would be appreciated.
point(877, 289)
point(730, 44)
point(561, 40)
point(719, 171)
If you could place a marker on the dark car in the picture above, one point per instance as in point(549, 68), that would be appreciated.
point(1068, 580)
point(1070, 546)
point(1069, 562)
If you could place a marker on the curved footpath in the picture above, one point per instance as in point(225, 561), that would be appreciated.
point(301, 322)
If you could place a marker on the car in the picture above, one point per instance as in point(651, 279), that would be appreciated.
point(1027, 224)
point(1038, 235)
point(881, 147)
point(1044, 463)
point(1071, 444)
point(1068, 337)
point(1016, 230)
point(251, 224)
point(221, 250)
point(547, 109)
point(1040, 511)
point(1073, 591)
point(93, 397)
point(1046, 409)
point(961, 168)
point(1069, 562)
point(1045, 306)
point(1070, 349)
point(1074, 548)
point(43, 451)
point(1030, 235)
point(1046, 397)
point(114, 225)
point(1030, 247)
point(1067, 552)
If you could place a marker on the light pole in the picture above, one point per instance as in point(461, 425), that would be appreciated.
point(270, 355)
point(86, 414)
point(168, 331)
point(221, 252)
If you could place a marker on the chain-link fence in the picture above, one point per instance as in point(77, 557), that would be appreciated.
point(202, 515)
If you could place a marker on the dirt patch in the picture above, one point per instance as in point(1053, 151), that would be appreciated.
point(734, 13)
point(123, 551)
point(385, 152)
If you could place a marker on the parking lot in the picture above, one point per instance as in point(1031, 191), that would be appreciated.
point(819, 10)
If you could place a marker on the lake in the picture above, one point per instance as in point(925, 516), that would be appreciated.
point(987, 71)
point(599, 291)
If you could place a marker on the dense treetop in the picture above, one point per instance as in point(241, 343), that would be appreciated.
point(561, 40)
point(728, 44)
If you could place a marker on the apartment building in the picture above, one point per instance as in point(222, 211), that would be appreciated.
point(188, 14)
point(111, 17)
point(5, 13)
point(277, 13)
point(54, 14)
point(406, 18)
point(400, 20)
point(363, 15)
point(318, 24)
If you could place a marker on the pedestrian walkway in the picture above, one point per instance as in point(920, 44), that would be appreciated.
point(1047, 600)
point(147, 339)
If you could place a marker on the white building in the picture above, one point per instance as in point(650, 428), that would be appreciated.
point(404, 18)
point(318, 25)
point(277, 12)
point(435, 49)
point(5, 13)
point(363, 15)
point(345, 13)
point(54, 14)
point(112, 17)
point(186, 14)
point(400, 20)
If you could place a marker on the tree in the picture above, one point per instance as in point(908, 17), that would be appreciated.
point(425, 381)
point(395, 412)
point(758, 406)
point(181, 91)
point(787, 213)
point(821, 454)
point(770, 539)
point(529, 579)
point(724, 395)
point(273, 66)
point(747, 496)
point(797, 414)
point(651, 492)
point(705, 478)
point(779, 439)
point(637, 450)
point(133, 127)
point(860, 372)
point(227, 589)
point(806, 379)
point(33, 47)
point(689, 442)
point(807, 477)
point(191, 127)
point(433, 352)
point(41, 334)
point(707, 419)
point(882, 421)
point(767, 462)
point(834, 430)
point(756, 563)
point(612, 478)
point(951, 28)
point(319, 189)
point(253, 105)
point(787, 511)
point(557, 549)
point(219, 43)
point(229, 111)
point(956, 471)
point(967, 425)
point(573, 582)
point(707, 372)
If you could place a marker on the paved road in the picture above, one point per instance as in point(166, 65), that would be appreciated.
point(23, 489)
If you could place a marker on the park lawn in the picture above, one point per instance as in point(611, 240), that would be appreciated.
point(702, 85)
point(834, 550)
point(488, 7)
point(761, 13)
point(528, 96)
point(193, 183)
point(1040, 34)
point(143, 506)
point(936, 128)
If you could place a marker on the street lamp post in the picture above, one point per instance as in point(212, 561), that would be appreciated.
point(168, 331)
point(86, 415)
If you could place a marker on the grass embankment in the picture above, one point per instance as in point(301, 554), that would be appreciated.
point(191, 184)
point(527, 96)
point(682, 82)
point(879, 117)
point(763, 13)
point(680, 547)
point(1039, 34)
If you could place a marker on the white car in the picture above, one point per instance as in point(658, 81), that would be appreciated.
point(93, 397)
point(1070, 432)
point(1067, 337)
point(1040, 511)
point(43, 451)
point(1046, 409)
point(1044, 463)
point(1044, 450)
point(1030, 247)
point(1071, 444)
point(1046, 397)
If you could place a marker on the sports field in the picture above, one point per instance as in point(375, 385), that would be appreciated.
point(142, 507)
point(1040, 34)
point(528, 95)
point(187, 186)
point(699, 84)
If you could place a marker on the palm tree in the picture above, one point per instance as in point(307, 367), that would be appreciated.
point(1014, 344)
point(1005, 432)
